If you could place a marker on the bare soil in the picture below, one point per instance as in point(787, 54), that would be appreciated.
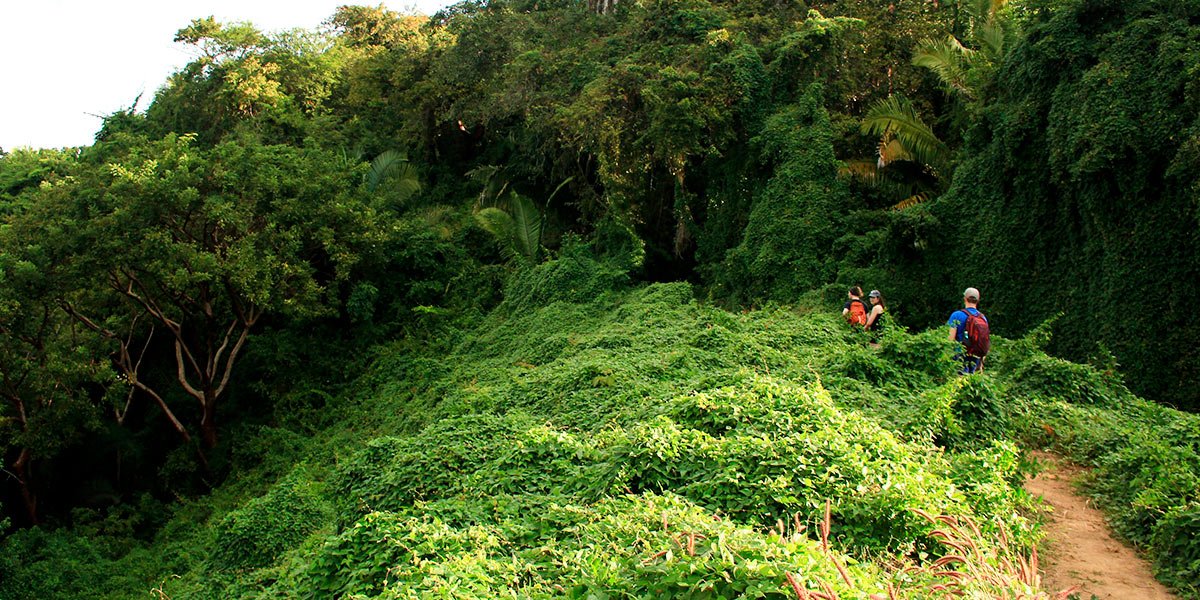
point(1080, 548)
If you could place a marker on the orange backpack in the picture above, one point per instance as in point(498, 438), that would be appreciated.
point(858, 313)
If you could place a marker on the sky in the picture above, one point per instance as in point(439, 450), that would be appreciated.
point(66, 63)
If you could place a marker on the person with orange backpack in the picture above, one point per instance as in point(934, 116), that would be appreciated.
point(855, 310)
point(971, 328)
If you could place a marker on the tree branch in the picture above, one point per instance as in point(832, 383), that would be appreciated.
point(229, 361)
point(187, 386)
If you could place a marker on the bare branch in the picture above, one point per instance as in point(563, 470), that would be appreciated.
point(187, 386)
point(229, 361)
point(167, 411)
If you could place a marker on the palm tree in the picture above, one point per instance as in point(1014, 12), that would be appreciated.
point(963, 71)
point(514, 220)
point(518, 229)
point(910, 160)
point(392, 175)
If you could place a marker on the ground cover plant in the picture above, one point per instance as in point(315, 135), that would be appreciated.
point(639, 442)
point(538, 298)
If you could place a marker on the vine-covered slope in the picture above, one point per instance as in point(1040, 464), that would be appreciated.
point(594, 440)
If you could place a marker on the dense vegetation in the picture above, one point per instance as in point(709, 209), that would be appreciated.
point(370, 312)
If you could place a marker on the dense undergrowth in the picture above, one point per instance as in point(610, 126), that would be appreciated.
point(593, 439)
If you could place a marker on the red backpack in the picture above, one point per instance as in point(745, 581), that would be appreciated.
point(858, 313)
point(977, 336)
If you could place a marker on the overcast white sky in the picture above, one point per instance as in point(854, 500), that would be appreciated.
point(64, 62)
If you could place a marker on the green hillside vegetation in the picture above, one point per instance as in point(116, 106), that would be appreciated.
point(533, 299)
point(567, 441)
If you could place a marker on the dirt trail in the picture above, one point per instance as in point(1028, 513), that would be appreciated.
point(1080, 549)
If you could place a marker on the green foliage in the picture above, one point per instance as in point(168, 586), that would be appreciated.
point(1072, 195)
point(392, 171)
point(575, 276)
point(257, 533)
point(1175, 544)
point(545, 428)
point(1056, 378)
point(519, 232)
point(896, 116)
point(979, 412)
point(787, 244)
point(542, 547)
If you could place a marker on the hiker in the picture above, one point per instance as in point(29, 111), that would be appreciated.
point(877, 308)
point(855, 310)
point(970, 328)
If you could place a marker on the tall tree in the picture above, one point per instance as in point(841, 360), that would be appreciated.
point(204, 244)
point(45, 370)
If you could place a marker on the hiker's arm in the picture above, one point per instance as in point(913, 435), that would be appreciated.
point(875, 312)
point(954, 323)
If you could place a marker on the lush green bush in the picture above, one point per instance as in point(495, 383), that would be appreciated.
point(786, 248)
point(265, 527)
point(660, 546)
point(545, 446)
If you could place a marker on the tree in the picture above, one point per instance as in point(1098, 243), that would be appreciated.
point(904, 137)
point(204, 244)
point(964, 70)
point(45, 370)
point(246, 81)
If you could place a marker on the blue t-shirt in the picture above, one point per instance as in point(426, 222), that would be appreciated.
point(958, 320)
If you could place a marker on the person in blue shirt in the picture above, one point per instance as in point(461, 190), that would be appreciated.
point(958, 324)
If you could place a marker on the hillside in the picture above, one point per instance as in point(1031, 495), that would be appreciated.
point(589, 439)
point(539, 298)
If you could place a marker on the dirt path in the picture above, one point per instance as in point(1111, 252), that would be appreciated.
point(1080, 549)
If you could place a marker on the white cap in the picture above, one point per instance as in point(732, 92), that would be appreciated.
point(971, 293)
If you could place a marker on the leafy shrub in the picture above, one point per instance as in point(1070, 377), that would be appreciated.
point(1176, 543)
point(490, 468)
point(980, 412)
point(659, 546)
point(792, 226)
point(1144, 480)
point(1049, 377)
point(927, 353)
point(574, 276)
point(256, 534)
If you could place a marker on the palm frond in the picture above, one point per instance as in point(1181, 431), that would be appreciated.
point(949, 60)
point(494, 185)
point(888, 183)
point(383, 165)
point(891, 150)
point(403, 183)
point(911, 201)
point(392, 171)
point(991, 37)
point(527, 226)
point(501, 225)
point(980, 10)
point(558, 189)
point(897, 115)
point(861, 168)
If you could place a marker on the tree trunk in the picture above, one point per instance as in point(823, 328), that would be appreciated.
point(21, 469)
point(208, 422)
point(602, 6)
